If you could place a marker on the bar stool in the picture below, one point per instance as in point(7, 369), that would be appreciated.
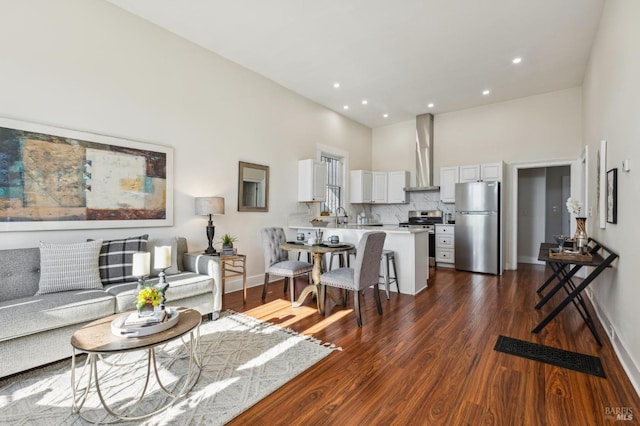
point(341, 258)
point(389, 257)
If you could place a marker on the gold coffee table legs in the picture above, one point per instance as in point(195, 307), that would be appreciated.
point(91, 372)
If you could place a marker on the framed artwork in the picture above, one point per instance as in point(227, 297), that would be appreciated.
point(53, 178)
point(612, 196)
point(602, 184)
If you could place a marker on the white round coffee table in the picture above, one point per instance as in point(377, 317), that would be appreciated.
point(97, 340)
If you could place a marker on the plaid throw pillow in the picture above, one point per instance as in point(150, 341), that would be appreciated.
point(116, 258)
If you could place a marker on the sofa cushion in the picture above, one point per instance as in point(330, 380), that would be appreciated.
point(116, 258)
point(19, 273)
point(160, 242)
point(65, 267)
point(181, 286)
point(28, 315)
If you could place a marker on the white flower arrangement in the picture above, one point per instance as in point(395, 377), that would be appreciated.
point(574, 206)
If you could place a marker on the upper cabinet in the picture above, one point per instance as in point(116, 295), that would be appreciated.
point(361, 186)
point(469, 173)
point(379, 190)
point(396, 183)
point(312, 178)
point(378, 187)
point(449, 176)
point(491, 171)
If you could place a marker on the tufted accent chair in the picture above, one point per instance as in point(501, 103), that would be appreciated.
point(276, 261)
point(364, 274)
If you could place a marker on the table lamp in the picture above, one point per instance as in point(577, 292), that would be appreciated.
point(208, 206)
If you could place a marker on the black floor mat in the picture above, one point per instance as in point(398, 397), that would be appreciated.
point(558, 357)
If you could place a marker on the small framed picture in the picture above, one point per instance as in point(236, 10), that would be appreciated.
point(612, 196)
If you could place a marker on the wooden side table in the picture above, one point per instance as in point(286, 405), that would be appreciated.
point(235, 266)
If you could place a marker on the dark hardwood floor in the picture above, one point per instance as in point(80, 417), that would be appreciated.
point(429, 359)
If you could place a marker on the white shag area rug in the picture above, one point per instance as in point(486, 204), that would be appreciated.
point(243, 360)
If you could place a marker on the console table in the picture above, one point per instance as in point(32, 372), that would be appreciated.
point(563, 273)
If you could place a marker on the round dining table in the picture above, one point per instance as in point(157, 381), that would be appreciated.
point(317, 252)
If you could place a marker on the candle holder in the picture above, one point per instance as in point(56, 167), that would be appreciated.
point(162, 287)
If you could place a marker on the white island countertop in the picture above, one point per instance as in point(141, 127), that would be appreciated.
point(411, 247)
point(386, 228)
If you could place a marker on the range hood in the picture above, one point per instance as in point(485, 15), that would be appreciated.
point(424, 154)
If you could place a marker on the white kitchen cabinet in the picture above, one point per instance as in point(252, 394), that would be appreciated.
point(481, 172)
point(448, 180)
point(379, 188)
point(396, 183)
point(469, 173)
point(445, 245)
point(361, 185)
point(312, 180)
point(491, 172)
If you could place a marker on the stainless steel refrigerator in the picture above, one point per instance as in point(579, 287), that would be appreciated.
point(477, 232)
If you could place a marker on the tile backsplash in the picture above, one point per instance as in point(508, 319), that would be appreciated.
point(390, 214)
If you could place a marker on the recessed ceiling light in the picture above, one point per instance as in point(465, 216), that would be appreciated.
point(486, 92)
point(345, 107)
point(430, 105)
point(336, 85)
point(385, 115)
point(364, 102)
point(516, 60)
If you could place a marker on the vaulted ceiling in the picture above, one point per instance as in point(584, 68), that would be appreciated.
point(399, 56)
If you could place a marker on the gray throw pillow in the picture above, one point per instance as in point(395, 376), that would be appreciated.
point(65, 267)
point(160, 242)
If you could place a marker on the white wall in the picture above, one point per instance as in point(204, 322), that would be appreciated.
point(87, 65)
point(611, 106)
point(541, 127)
point(534, 128)
point(394, 147)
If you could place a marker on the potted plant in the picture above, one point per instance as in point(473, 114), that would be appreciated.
point(147, 300)
point(227, 241)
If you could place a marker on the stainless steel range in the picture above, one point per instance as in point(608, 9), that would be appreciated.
point(425, 219)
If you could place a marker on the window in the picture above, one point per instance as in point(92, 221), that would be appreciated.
point(335, 182)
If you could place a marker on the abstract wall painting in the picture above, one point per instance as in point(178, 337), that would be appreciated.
point(53, 178)
point(612, 196)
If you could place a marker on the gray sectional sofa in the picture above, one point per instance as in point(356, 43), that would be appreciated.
point(36, 329)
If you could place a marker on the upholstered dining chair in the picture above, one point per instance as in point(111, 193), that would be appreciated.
point(364, 273)
point(276, 261)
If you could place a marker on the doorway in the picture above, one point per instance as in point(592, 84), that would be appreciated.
point(542, 193)
point(533, 233)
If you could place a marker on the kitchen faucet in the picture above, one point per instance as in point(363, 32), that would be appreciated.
point(346, 217)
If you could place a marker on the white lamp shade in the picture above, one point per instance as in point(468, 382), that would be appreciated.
point(141, 263)
point(209, 205)
point(162, 257)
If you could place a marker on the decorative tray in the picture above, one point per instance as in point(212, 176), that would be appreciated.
point(118, 328)
point(570, 255)
point(336, 245)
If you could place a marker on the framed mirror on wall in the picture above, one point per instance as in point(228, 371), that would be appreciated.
point(253, 187)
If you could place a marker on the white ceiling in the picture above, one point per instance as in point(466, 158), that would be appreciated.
point(398, 55)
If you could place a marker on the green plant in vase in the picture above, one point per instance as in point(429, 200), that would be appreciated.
point(227, 241)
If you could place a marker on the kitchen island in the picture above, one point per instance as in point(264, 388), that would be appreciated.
point(411, 247)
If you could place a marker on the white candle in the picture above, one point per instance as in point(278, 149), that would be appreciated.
point(162, 257)
point(141, 263)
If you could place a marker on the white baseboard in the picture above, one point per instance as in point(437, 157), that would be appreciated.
point(529, 259)
point(625, 359)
